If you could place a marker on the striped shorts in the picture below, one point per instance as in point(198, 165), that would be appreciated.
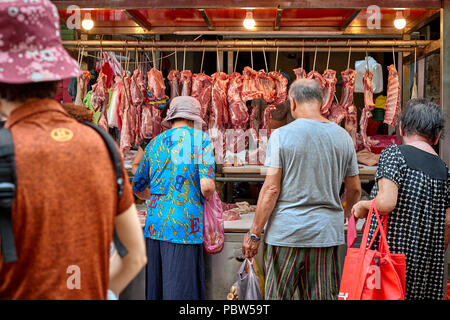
point(301, 273)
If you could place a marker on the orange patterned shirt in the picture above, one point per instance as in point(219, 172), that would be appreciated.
point(64, 210)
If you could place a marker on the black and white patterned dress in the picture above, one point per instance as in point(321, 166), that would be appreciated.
point(417, 224)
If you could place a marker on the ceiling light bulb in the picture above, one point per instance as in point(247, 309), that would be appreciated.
point(87, 22)
point(249, 22)
point(399, 21)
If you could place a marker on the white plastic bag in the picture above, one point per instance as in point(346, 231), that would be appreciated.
point(248, 284)
point(377, 71)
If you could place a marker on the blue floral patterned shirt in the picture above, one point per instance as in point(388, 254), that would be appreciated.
point(172, 166)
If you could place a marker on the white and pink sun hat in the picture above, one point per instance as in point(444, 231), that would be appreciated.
point(30, 43)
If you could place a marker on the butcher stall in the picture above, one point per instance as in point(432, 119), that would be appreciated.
point(238, 60)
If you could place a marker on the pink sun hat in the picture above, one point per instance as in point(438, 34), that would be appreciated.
point(30, 43)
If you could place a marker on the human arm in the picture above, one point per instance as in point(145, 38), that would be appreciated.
point(208, 186)
point(123, 270)
point(141, 177)
point(386, 200)
point(137, 160)
point(207, 169)
point(352, 193)
point(388, 177)
point(267, 200)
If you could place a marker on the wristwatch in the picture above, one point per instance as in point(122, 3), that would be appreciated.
point(253, 237)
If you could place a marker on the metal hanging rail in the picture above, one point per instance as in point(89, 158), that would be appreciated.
point(248, 49)
point(231, 44)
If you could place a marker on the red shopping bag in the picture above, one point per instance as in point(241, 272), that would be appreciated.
point(370, 274)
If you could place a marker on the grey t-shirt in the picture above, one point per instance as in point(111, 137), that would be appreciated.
point(315, 158)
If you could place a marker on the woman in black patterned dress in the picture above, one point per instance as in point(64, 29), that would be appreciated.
point(413, 187)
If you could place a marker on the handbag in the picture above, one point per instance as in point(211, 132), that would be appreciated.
point(373, 274)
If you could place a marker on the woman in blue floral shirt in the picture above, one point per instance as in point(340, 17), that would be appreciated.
point(176, 175)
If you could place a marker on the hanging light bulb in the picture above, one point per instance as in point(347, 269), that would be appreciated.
point(399, 21)
point(87, 22)
point(249, 22)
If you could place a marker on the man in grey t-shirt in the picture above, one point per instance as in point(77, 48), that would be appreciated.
point(307, 161)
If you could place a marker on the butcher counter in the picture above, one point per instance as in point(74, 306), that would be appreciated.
point(225, 176)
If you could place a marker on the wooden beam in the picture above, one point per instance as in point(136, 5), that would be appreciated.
point(444, 144)
point(421, 53)
point(214, 4)
point(445, 77)
point(139, 18)
point(206, 19)
point(350, 19)
point(278, 19)
point(422, 21)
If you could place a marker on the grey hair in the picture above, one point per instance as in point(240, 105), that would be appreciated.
point(422, 117)
point(306, 90)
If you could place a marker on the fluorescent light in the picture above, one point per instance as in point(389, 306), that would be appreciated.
point(249, 22)
point(87, 22)
point(399, 21)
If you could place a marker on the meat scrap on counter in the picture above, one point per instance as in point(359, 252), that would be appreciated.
point(233, 211)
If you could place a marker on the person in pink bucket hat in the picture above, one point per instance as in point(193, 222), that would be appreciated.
point(58, 225)
point(176, 175)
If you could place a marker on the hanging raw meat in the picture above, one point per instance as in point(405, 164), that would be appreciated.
point(281, 84)
point(348, 87)
point(219, 110)
point(201, 90)
point(138, 98)
point(329, 91)
point(366, 113)
point(156, 84)
point(338, 113)
point(346, 102)
point(100, 99)
point(147, 123)
point(300, 73)
point(186, 82)
point(174, 81)
point(238, 110)
point(267, 86)
point(351, 123)
point(156, 117)
point(250, 91)
point(82, 85)
point(280, 97)
point(393, 108)
point(126, 133)
point(318, 77)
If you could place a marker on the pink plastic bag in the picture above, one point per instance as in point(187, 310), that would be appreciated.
point(213, 231)
point(351, 232)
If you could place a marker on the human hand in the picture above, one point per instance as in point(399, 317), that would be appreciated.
point(249, 248)
point(360, 210)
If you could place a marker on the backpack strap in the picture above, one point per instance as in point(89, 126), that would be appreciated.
point(111, 145)
point(7, 194)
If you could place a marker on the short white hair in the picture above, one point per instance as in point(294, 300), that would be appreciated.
point(306, 90)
